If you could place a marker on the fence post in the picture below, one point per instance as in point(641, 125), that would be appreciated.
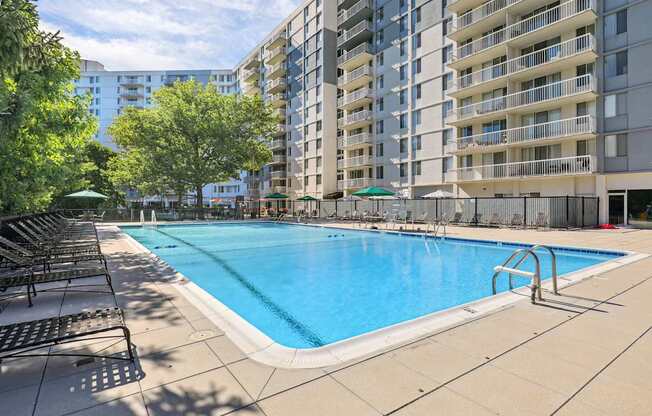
point(597, 212)
point(437, 209)
point(582, 212)
point(525, 212)
point(567, 213)
point(475, 214)
point(336, 214)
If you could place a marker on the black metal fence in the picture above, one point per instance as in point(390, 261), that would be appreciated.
point(549, 212)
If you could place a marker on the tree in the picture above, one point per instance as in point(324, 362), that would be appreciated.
point(43, 126)
point(191, 137)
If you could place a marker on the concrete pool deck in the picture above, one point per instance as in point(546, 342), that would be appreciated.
point(585, 352)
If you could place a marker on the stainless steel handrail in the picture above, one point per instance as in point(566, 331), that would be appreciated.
point(536, 279)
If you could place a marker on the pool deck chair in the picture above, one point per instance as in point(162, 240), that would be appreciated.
point(24, 339)
point(29, 280)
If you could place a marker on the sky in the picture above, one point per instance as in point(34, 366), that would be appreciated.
point(163, 34)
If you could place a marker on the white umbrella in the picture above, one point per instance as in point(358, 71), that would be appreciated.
point(439, 194)
point(350, 198)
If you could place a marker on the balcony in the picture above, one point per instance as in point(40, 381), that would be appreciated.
point(356, 120)
point(356, 140)
point(252, 63)
point(359, 33)
point(277, 40)
point(355, 162)
point(491, 14)
point(275, 55)
point(568, 91)
point(279, 159)
point(251, 76)
point(276, 71)
point(280, 130)
point(348, 18)
point(278, 174)
point(573, 52)
point(280, 113)
point(277, 144)
point(129, 81)
point(354, 183)
point(132, 94)
point(539, 27)
point(565, 166)
point(278, 189)
point(355, 79)
point(276, 100)
point(356, 57)
point(355, 99)
point(277, 85)
point(250, 89)
point(583, 127)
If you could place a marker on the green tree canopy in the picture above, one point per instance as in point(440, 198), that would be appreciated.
point(43, 126)
point(191, 137)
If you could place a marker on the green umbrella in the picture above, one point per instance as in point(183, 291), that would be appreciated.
point(307, 198)
point(277, 196)
point(87, 194)
point(373, 191)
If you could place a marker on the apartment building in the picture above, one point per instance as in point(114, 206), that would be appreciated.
point(112, 91)
point(549, 101)
point(294, 70)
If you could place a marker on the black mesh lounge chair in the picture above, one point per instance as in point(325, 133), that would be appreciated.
point(30, 251)
point(29, 279)
point(21, 339)
point(17, 259)
point(41, 243)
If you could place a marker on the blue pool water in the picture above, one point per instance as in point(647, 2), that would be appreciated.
point(307, 287)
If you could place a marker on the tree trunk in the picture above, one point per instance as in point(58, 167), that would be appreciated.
point(199, 201)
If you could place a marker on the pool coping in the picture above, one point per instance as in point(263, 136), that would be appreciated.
point(259, 347)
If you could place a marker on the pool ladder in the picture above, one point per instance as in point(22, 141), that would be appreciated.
point(535, 276)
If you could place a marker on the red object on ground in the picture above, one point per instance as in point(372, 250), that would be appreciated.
point(608, 226)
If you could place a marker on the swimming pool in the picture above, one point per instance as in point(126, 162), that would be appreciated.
point(308, 287)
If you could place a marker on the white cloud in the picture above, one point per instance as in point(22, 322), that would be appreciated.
point(157, 34)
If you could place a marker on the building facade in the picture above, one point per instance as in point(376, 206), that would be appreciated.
point(112, 91)
point(549, 99)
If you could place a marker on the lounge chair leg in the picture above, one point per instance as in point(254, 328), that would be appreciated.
point(127, 335)
point(34, 289)
point(108, 282)
point(29, 297)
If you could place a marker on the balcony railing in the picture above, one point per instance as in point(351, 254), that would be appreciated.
point(354, 183)
point(274, 53)
point(538, 21)
point(574, 165)
point(365, 25)
point(250, 75)
point(357, 139)
point(277, 144)
point(553, 53)
point(480, 12)
point(352, 162)
point(278, 174)
point(279, 159)
point(276, 85)
point(363, 71)
point(553, 91)
point(358, 50)
point(355, 118)
point(544, 131)
point(355, 96)
point(352, 11)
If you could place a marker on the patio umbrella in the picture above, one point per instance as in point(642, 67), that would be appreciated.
point(307, 198)
point(373, 191)
point(439, 194)
point(87, 195)
point(278, 196)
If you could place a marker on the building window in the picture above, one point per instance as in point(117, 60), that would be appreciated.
point(403, 72)
point(402, 145)
point(402, 48)
point(615, 105)
point(380, 150)
point(446, 81)
point(416, 143)
point(380, 172)
point(615, 23)
point(380, 127)
point(402, 121)
point(615, 145)
point(616, 64)
point(446, 53)
point(402, 96)
point(318, 179)
point(416, 118)
point(416, 168)
point(402, 169)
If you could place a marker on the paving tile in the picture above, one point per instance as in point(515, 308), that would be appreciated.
point(632, 369)
point(384, 383)
point(283, 379)
point(205, 324)
point(444, 402)
point(166, 338)
point(86, 389)
point(571, 350)
point(577, 408)
point(20, 372)
point(253, 410)
point(148, 319)
point(323, 397)
point(614, 397)
point(213, 393)
point(225, 349)
point(18, 402)
point(546, 369)
point(436, 361)
point(62, 366)
point(252, 375)
point(505, 393)
point(127, 406)
point(172, 365)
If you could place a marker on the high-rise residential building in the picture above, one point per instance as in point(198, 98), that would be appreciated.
point(551, 100)
point(112, 91)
